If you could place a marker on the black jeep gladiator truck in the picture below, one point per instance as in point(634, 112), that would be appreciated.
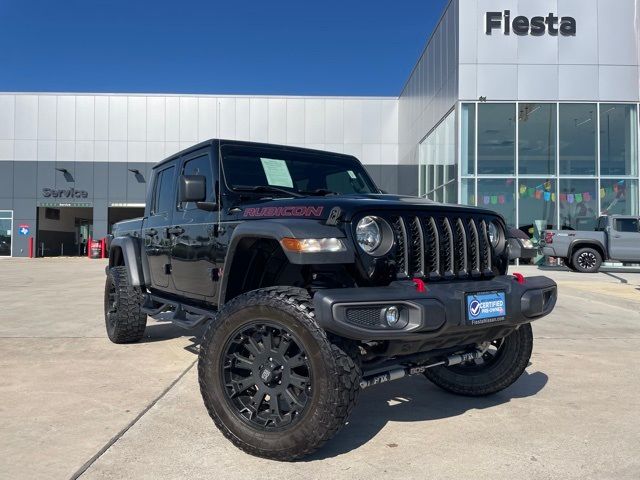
point(315, 285)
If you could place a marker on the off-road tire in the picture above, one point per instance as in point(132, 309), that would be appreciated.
point(123, 318)
point(497, 376)
point(582, 265)
point(335, 377)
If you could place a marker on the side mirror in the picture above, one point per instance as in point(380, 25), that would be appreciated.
point(192, 188)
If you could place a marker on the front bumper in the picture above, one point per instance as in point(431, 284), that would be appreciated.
point(439, 311)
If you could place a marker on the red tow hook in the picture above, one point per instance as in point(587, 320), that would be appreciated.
point(420, 285)
point(519, 278)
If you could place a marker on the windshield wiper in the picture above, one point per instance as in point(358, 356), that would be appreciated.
point(267, 188)
point(319, 191)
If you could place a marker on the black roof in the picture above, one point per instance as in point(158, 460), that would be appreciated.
point(223, 141)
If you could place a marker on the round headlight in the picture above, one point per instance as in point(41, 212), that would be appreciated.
point(368, 234)
point(494, 234)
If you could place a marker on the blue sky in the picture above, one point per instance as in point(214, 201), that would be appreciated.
point(188, 46)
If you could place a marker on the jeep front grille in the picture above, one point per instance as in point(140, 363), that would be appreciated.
point(442, 247)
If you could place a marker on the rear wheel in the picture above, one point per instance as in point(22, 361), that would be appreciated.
point(123, 318)
point(587, 260)
point(502, 364)
point(271, 379)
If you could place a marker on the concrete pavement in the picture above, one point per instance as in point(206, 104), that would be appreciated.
point(70, 400)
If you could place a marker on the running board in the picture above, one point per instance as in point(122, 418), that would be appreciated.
point(184, 316)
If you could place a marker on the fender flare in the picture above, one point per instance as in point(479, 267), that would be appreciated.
point(276, 229)
point(132, 257)
point(581, 243)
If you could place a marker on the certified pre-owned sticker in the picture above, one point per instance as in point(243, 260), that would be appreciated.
point(486, 307)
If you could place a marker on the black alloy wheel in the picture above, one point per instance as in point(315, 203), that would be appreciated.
point(587, 260)
point(267, 376)
point(274, 382)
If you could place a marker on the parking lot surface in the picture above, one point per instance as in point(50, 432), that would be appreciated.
point(72, 403)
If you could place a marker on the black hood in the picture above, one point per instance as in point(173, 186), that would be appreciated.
point(319, 207)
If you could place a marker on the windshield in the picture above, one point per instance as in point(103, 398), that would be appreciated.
point(297, 172)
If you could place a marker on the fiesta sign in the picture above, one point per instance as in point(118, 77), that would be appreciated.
point(64, 193)
point(537, 26)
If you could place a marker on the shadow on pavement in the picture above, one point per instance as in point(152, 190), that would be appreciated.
point(158, 332)
point(415, 399)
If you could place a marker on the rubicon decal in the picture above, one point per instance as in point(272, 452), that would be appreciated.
point(283, 212)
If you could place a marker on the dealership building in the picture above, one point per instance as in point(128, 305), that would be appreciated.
point(527, 107)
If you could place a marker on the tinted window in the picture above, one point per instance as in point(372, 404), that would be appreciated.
point(496, 138)
point(578, 204)
point(163, 197)
point(618, 139)
point(627, 225)
point(578, 139)
point(537, 138)
point(200, 166)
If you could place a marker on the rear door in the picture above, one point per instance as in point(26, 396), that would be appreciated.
point(624, 239)
point(193, 259)
point(156, 240)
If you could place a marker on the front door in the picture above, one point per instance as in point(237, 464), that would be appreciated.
point(157, 239)
point(624, 239)
point(193, 263)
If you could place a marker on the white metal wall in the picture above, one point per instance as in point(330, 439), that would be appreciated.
point(599, 63)
point(146, 128)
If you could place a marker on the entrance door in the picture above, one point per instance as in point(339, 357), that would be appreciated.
point(84, 231)
point(6, 229)
point(156, 238)
point(624, 239)
point(193, 259)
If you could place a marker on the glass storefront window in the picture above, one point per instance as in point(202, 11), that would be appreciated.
point(577, 139)
point(438, 153)
point(451, 193)
point(496, 138)
point(536, 138)
point(6, 229)
point(468, 191)
point(578, 204)
point(619, 197)
point(618, 139)
point(537, 205)
point(468, 139)
point(498, 195)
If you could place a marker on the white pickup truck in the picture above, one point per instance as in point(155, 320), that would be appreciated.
point(615, 238)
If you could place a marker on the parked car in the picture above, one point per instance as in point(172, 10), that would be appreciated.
point(616, 237)
point(316, 285)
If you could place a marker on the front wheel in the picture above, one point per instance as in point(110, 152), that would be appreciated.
point(501, 364)
point(271, 379)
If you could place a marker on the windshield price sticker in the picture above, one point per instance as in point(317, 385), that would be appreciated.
point(277, 172)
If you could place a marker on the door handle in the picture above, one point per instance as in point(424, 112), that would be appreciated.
point(175, 231)
point(617, 236)
point(152, 232)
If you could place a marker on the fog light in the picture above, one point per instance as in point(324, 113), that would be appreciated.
point(392, 316)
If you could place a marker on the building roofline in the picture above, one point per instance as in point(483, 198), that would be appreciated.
point(426, 46)
point(206, 95)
